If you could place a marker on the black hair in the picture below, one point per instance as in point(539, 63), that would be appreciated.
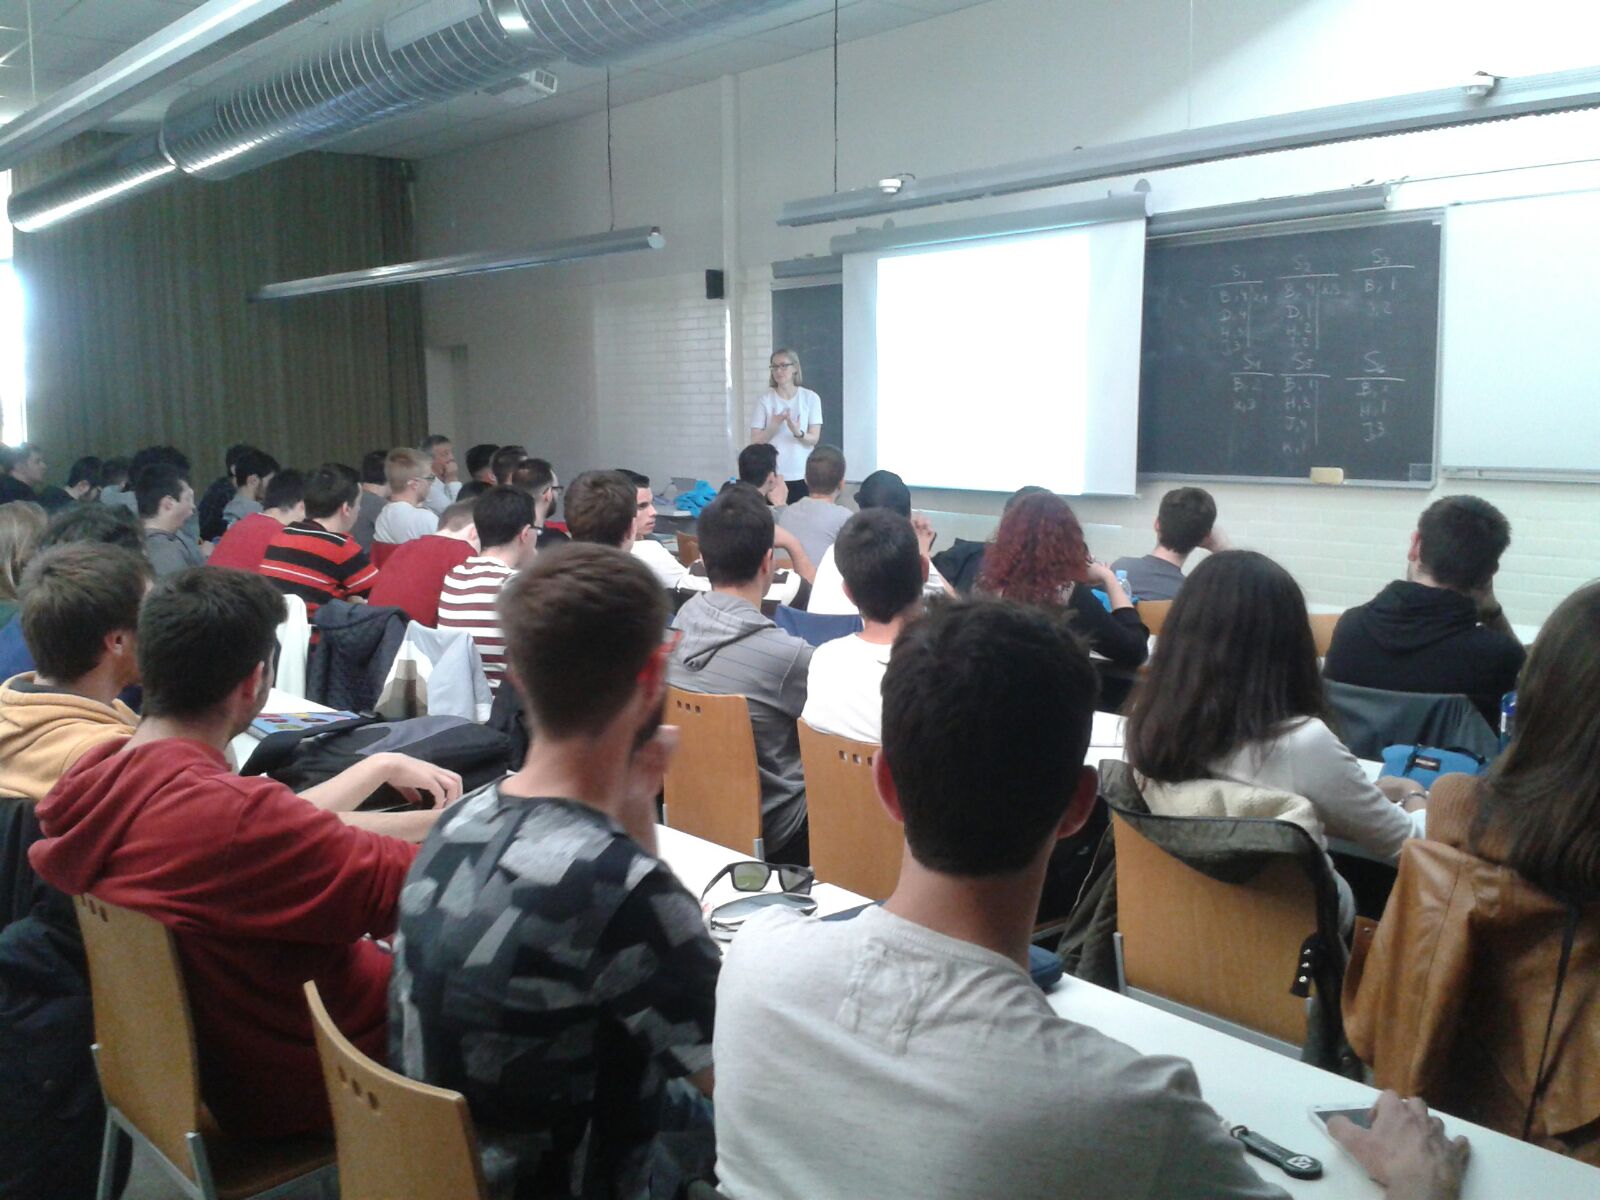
point(1235, 663)
point(154, 484)
point(234, 453)
point(1463, 538)
point(201, 633)
point(878, 555)
point(735, 532)
point(1021, 494)
point(110, 525)
point(506, 460)
point(480, 456)
point(73, 596)
point(1186, 516)
point(328, 489)
point(472, 489)
point(373, 468)
point(253, 462)
point(85, 470)
point(113, 471)
point(500, 514)
point(987, 709)
point(601, 507)
point(152, 456)
point(288, 488)
point(433, 441)
point(634, 477)
point(533, 475)
point(756, 462)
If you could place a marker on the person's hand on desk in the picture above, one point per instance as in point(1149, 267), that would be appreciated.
point(1407, 793)
point(1406, 1150)
point(421, 783)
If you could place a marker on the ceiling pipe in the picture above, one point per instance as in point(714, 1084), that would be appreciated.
point(363, 77)
point(193, 42)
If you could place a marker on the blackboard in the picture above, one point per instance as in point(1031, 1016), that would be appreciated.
point(1268, 354)
point(810, 321)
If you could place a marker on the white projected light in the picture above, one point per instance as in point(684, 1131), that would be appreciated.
point(950, 357)
point(1000, 361)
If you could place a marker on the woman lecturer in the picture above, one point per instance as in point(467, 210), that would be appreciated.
point(790, 417)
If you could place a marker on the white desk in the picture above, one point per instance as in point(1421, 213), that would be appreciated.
point(1244, 1083)
point(1270, 1093)
point(277, 702)
point(778, 593)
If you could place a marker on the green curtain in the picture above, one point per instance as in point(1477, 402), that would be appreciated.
point(139, 329)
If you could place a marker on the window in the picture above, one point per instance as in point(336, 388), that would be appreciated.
point(13, 377)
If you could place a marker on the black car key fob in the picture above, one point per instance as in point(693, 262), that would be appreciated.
point(1291, 1163)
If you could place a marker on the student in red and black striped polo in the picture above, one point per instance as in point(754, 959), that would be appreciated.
point(504, 518)
point(317, 559)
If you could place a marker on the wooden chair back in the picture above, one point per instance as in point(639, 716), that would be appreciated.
point(1227, 949)
point(713, 789)
point(688, 549)
point(143, 1030)
point(1154, 614)
point(1322, 630)
point(854, 842)
point(396, 1137)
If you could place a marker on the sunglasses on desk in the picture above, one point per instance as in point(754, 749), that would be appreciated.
point(752, 876)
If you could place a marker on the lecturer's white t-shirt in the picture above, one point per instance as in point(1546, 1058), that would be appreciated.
point(806, 409)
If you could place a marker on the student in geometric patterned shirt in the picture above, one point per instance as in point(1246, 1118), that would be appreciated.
point(504, 517)
point(549, 966)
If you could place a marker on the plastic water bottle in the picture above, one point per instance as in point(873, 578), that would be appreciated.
point(1508, 716)
point(1122, 578)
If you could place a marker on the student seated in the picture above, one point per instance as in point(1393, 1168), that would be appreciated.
point(1440, 629)
point(80, 620)
point(923, 1008)
point(1233, 695)
point(252, 472)
point(23, 477)
point(262, 889)
point(1510, 865)
point(440, 456)
point(727, 647)
point(549, 966)
point(480, 465)
point(884, 571)
point(166, 502)
point(114, 482)
point(414, 574)
point(374, 481)
point(469, 594)
point(208, 508)
point(1186, 520)
point(881, 489)
point(22, 525)
point(115, 526)
point(602, 507)
point(407, 515)
point(316, 559)
point(1039, 557)
point(758, 467)
point(816, 518)
point(83, 483)
point(663, 564)
point(245, 543)
point(505, 461)
point(538, 478)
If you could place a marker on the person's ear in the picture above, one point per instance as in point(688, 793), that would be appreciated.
point(1414, 554)
point(653, 675)
point(1081, 805)
point(888, 793)
point(1156, 525)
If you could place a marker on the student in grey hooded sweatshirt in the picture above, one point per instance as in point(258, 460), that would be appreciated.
point(728, 648)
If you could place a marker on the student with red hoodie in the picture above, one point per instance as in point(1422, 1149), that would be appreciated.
point(245, 543)
point(262, 889)
point(414, 572)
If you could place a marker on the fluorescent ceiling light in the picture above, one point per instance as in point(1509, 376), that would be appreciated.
point(1508, 97)
point(643, 237)
point(204, 36)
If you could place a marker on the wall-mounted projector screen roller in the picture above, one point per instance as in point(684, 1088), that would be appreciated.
point(991, 362)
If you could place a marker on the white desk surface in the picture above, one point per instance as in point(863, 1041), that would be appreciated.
point(1244, 1083)
point(780, 593)
point(277, 702)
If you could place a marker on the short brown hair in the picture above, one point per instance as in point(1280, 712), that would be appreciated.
point(580, 624)
point(601, 507)
point(201, 634)
point(73, 596)
point(457, 517)
point(405, 465)
point(1186, 516)
point(825, 470)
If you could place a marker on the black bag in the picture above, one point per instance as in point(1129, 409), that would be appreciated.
point(304, 759)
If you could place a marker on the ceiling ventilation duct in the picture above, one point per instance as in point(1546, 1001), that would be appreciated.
point(368, 76)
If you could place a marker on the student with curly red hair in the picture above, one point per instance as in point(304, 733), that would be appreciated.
point(1039, 557)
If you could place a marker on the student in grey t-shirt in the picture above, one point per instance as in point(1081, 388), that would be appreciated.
point(1185, 521)
point(817, 518)
point(728, 647)
point(166, 502)
point(916, 1057)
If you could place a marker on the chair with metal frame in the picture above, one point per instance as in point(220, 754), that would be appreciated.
point(149, 1070)
point(854, 842)
point(396, 1137)
point(713, 787)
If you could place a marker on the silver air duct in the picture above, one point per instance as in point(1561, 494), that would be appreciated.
point(365, 77)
